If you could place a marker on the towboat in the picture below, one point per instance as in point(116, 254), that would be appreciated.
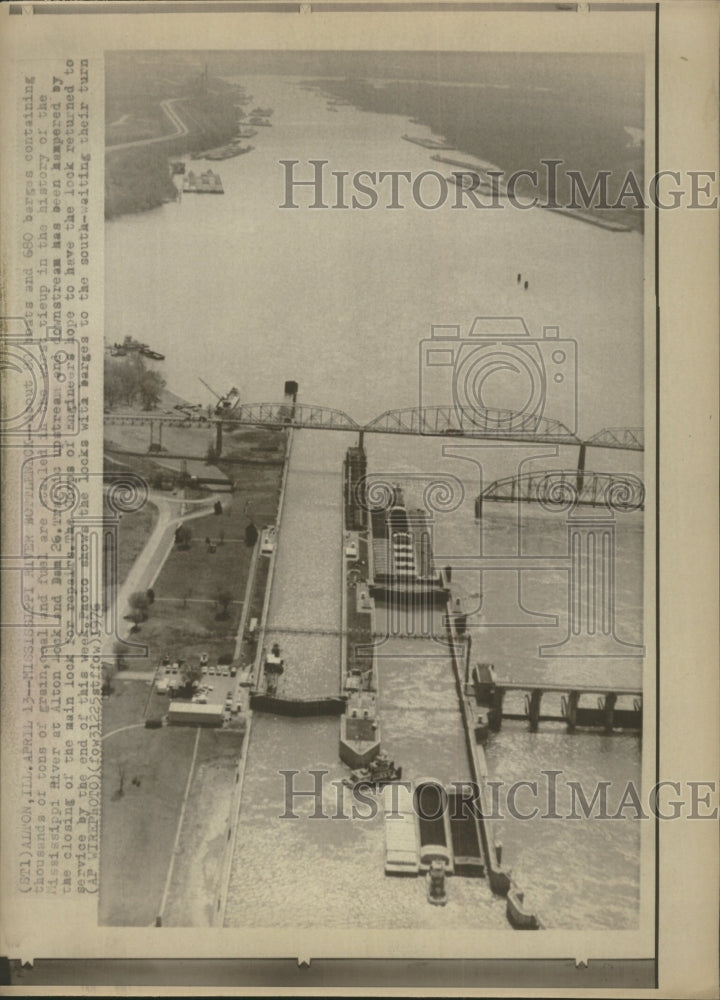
point(436, 892)
point(380, 771)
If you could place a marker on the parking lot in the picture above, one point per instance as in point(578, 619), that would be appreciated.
point(218, 684)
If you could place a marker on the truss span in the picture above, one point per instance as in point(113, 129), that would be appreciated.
point(503, 425)
point(626, 438)
point(562, 489)
point(291, 415)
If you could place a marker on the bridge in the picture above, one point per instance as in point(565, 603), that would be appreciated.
point(423, 421)
point(559, 488)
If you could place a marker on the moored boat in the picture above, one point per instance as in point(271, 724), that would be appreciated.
point(148, 353)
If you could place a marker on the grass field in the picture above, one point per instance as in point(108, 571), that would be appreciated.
point(186, 618)
point(139, 826)
point(126, 705)
point(133, 533)
point(197, 869)
point(140, 818)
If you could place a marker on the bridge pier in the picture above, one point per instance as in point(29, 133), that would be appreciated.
point(581, 468)
point(534, 708)
point(609, 711)
point(495, 715)
point(572, 707)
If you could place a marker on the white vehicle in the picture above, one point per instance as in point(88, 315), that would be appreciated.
point(267, 541)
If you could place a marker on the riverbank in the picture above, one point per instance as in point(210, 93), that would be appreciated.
point(520, 121)
point(155, 111)
point(167, 790)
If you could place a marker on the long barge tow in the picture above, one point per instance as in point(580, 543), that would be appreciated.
point(429, 829)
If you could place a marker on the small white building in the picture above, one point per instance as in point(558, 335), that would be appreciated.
point(193, 713)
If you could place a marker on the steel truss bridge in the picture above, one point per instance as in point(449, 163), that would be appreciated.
point(558, 489)
point(428, 421)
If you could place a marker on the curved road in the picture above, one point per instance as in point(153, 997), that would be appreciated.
point(180, 128)
point(150, 561)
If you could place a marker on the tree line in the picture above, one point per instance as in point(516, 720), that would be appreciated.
point(130, 380)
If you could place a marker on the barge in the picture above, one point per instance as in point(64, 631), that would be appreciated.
point(401, 835)
point(227, 152)
point(403, 564)
point(207, 182)
point(428, 143)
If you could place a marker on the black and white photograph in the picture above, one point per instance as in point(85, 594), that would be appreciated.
point(379, 654)
point(359, 456)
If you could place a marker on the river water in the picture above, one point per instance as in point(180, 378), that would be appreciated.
point(239, 291)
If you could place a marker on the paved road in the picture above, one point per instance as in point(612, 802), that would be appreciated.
point(172, 512)
point(180, 128)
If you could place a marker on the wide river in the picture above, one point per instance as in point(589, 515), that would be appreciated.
point(239, 291)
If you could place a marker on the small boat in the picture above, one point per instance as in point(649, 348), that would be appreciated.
point(130, 344)
point(262, 112)
point(155, 355)
point(245, 133)
point(259, 122)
